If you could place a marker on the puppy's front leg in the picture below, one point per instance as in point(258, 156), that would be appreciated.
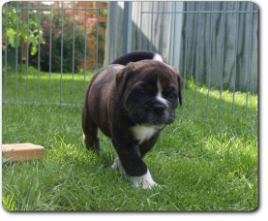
point(118, 165)
point(129, 162)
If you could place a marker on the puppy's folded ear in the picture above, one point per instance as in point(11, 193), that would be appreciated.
point(180, 83)
point(121, 80)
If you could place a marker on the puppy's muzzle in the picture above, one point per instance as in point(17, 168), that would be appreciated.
point(158, 108)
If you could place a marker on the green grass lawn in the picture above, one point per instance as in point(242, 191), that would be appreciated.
point(201, 163)
point(44, 87)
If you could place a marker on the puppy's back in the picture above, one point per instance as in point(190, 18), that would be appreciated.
point(105, 77)
point(137, 56)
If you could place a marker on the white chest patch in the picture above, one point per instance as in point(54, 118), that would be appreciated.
point(142, 133)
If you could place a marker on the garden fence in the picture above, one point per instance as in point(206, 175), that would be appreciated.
point(214, 43)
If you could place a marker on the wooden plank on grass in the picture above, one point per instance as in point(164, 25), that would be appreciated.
point(26, 151)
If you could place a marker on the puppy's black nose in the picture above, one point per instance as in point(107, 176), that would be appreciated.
point(158, 108)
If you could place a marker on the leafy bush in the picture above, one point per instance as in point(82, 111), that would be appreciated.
point(12, 19)
point(67, 57)
point(104, 12)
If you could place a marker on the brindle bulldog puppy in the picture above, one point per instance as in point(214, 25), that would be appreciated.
point(131, 104)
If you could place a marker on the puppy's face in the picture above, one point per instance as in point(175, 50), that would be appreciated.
point(149, 91)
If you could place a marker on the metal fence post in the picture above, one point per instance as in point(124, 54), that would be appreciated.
point(249, 57)
point(235, 54)
point(222, 59)
point(5, 93)
point(127, 27)
point(152, 26)
point(115, 28)
point(97, 36)
point(140, 34)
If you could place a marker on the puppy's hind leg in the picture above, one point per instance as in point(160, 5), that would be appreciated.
point(90, 132)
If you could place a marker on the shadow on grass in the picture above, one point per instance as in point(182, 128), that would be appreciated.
point(199, 105)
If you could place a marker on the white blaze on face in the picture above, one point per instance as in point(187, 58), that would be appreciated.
point(159, 95)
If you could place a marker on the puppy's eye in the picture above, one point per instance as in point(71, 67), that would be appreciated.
point(141, 92)
point(171, 96)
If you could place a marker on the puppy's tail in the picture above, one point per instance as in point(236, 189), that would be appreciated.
point(138, 56)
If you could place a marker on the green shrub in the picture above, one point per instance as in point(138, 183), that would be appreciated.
point(15, 30)
point(56, 56)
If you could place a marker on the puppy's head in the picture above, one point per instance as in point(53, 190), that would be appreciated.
point(149, 91)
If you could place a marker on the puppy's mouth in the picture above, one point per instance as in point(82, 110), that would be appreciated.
point(153, 116)
point(156, 126)
point(152, 120)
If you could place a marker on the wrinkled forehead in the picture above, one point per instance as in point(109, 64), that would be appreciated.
point(155, 75)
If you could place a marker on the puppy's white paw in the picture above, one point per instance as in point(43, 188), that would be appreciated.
point(145, 180)
point(117, 164)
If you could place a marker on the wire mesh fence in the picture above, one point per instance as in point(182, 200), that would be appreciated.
point(50, 50)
